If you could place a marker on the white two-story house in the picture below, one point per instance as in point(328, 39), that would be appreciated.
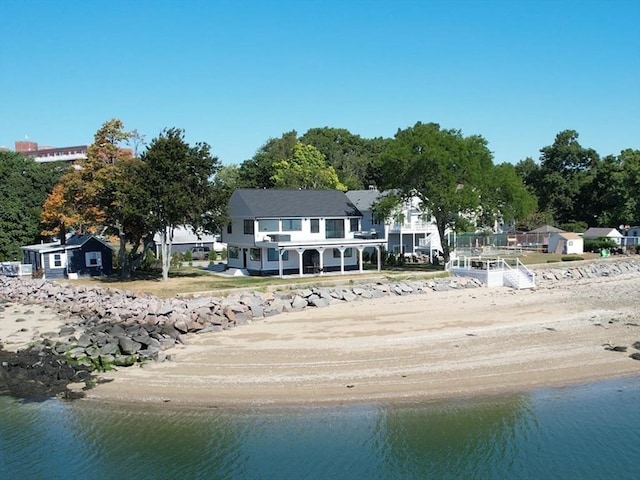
point(408, 230)
point(278, 232)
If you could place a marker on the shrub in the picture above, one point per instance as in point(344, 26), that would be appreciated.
point(638, 249)
point(213, 255)
point(176, 260)
point(596, 244)
point(571, 258)
point(223, 254)
point(188, 256)
point(150, 261)
point(365, 257)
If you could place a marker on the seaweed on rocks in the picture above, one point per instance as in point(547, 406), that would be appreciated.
point(39, 373)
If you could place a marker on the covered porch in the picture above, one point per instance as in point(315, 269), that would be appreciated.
point(311, 255)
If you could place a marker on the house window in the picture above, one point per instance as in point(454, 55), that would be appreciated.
point(229, 228)
point(268, 225)
point(93, 259)
point(254, 254)
point(57, 260)
point(291, 224)
point(272, 255)
point(347, 253)
point(248, 227)
point(233, 252)
point(353, 224)
point(315, 225)
point(334, 228)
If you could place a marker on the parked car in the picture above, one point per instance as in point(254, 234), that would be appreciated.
point(200, 253)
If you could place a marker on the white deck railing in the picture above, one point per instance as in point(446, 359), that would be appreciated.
point(493, 272)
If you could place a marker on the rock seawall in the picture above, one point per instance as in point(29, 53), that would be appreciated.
point(106, 328)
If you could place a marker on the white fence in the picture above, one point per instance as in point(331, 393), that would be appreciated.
point(15, 269)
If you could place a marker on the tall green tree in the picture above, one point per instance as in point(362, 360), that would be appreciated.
point(176, 189)
point(566, 172)
point(448, 172)
point(507, 197)
point(350, 155)
point(258, 172)
point(24, 186)
point(614, 198)
point(306, 169)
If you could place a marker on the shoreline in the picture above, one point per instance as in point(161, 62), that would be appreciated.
point(421, 348)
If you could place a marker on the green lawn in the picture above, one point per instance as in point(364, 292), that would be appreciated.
point(192, 280)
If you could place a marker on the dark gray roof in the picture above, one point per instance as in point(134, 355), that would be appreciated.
point(546, 229)
point(73, 241)
point(272, 203)
point(363, 199)
point(79, 240)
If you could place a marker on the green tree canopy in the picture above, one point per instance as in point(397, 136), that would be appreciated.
point(175, 184)
point(258, 172)
point(566, 171)
point(350, 155)
point(307, 169)
point(24, 185)
point(449, 173)
point(614, 190)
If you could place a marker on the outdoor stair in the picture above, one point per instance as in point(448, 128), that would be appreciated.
point(519, 279)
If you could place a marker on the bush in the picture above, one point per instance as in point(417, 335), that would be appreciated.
point(638, 249)
point(150, 261)
point(188, 256)
point(176, 260)
point(365, 257)
point(571, 258)
point(223, 254)
point(213, 255)
point(596, 244)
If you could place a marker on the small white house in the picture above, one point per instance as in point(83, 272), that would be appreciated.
point(567, 243)
point(611, 233)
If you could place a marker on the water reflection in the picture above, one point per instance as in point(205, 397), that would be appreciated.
point(583, 432)
point(449, 441)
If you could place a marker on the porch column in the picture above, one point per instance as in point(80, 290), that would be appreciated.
point(360, 250)
point(280, 252)
point(321, 250)
point(342, 250)
point(300, 262)
point(379, 257)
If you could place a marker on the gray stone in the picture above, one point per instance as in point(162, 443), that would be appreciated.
point(298, 303)
point(318, 301)
point(128, 346)
point(109, 349)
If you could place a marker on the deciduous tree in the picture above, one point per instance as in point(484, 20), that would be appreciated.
point(175, 186)
point(448, 172)
point(306, 169)
point(24, 185)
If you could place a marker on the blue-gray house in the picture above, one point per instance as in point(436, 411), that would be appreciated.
point(79, 256)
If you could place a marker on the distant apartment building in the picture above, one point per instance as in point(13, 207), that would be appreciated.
point(51, 154)
point(56, 154)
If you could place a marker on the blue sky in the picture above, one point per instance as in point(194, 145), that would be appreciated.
point(235, 73)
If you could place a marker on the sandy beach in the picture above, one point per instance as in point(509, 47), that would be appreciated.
point(20, 325)
point(419, 347)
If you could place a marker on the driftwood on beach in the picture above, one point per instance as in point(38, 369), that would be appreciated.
point(105, 328)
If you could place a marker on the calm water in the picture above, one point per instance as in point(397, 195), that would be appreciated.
point(585, 432)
